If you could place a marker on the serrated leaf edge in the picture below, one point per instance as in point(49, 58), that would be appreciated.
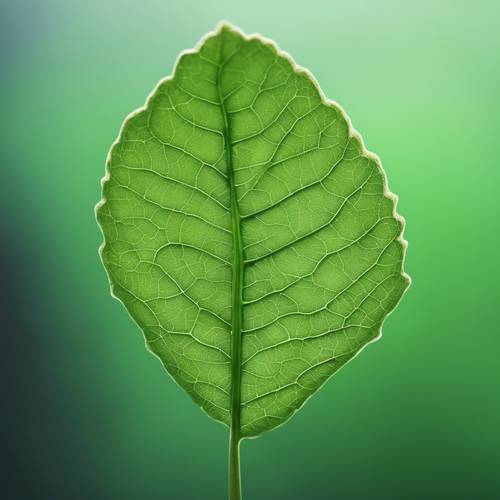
point(300, 70)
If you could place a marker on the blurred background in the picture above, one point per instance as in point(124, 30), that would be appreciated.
point(88, 413)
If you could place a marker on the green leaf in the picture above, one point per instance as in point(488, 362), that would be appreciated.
point(248, 232)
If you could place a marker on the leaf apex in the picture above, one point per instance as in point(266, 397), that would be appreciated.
point(225, 26)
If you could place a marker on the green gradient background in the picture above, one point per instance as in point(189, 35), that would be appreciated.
point(93, 415)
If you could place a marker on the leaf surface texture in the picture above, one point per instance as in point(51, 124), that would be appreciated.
point(321, 248)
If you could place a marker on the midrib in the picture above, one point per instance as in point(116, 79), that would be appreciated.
point(237, 279)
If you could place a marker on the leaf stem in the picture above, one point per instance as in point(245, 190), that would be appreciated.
point(234, 467)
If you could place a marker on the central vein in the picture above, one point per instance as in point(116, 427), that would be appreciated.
point(237, 280)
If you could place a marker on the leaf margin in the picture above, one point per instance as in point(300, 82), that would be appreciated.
point(352, 134)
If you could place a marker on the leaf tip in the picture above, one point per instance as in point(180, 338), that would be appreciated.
point(225, 26)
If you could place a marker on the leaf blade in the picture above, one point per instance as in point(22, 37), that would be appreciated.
point(323, 251)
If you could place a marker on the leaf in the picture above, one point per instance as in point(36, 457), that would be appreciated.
point(248, 232)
